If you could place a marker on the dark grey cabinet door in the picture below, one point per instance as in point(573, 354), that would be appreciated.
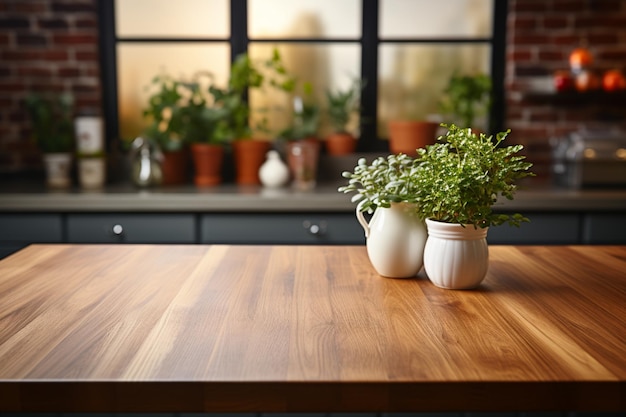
point(543, 229)
point(131, 228)
point(18, 230)
point(605, 228)
point(285, 228)
point(31, 228)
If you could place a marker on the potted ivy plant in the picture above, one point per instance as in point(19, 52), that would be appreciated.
point(457, 181)
point(53, 131)
point(342, 104)
point(395, 234)
point(466, 98)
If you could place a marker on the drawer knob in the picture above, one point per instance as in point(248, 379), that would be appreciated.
point(314, 228)
point(118, 230)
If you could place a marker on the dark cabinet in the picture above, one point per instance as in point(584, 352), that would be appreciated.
point(281, 228)
point(18, 230)
point(131, 228)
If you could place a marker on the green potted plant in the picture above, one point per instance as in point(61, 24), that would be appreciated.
point(165, 113)
point(467, 97)
point(303, 146)
point(53, 130)
point(395, 234)
point(249, 153)
point(457, 181)
point(342, 104)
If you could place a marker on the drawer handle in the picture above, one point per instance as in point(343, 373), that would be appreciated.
point(118, 230)
point(314, 228)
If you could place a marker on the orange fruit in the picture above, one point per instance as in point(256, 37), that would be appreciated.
point(580, 58)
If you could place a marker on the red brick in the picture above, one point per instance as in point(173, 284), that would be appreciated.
point(14, 23)
point(68, 72)
point(529, 39)
point(87, 56)
point(520, 55)
point(570, 5)
point(32, 71)
point(595, 38)
point(558, 56)
point(20, 6)
point(5, 71)
point(529, 6)
point(35, 55)
point(53, 23)
point(11, 85)
point(73, 39)
point(569, 40)
point(555, 22)
point(86, 23)
point(31, 40)
point(523, 23)
point(73, 6)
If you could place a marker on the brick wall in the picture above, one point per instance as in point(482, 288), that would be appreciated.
point(541, 35)
point(45, 46)
point(53, 45)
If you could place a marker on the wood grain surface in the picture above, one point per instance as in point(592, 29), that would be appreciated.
point(152, 328)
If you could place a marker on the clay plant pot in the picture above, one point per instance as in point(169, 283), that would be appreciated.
point(249, 156)
point(208, 160)
point(405, 136)
point(174, 167)
point(340, 144)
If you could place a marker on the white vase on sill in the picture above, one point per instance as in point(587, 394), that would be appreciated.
point(395, 240)
point(456, 256)
point(58, 166)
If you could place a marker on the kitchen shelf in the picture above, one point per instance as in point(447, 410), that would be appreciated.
point(577, 98)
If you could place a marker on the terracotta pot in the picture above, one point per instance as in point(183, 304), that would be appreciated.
point(208, 160)
point(340, 144)
point(174, 167)
point(405, 136)
point(302, 159)
point(249, 156)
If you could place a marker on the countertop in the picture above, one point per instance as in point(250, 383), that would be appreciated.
point(221, 328)
point(35, 197)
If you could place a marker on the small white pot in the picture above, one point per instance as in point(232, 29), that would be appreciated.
point(395, 240)
point(456, 256)
point(58, 166)
point(92, 172)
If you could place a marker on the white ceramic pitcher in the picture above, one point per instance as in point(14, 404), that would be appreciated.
point(395, 240)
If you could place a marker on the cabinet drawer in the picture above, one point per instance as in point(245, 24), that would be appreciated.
point(276, 228)
point(131, 228)
point(605, 228)
point(31, 228)
point(543, 229)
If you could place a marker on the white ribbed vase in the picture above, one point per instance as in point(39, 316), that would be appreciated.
point(395, 240)
point(456, 257)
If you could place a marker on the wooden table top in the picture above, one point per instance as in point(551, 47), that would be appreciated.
point(195, 328)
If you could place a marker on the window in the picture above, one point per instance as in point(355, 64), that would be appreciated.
point(405, 50)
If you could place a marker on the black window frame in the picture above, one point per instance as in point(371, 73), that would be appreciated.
point(369, 42)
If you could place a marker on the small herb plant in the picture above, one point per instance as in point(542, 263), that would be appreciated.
point(384, 181)
point(467, 97)
point(458, 179)
point(51, 116)
point(165, 112)
point(342, 104)
point(233, 100)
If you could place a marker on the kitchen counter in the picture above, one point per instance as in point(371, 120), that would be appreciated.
point(29, 197)
point(247, 328)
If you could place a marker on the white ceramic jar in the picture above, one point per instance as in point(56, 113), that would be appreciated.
point(274, 172)
point(456, 256)
point(395, 240)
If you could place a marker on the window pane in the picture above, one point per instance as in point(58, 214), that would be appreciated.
point(412, 77)
point(271, 19)
point(138, 64)
point(322, 66)
point(177, 19)
point(436, 19)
